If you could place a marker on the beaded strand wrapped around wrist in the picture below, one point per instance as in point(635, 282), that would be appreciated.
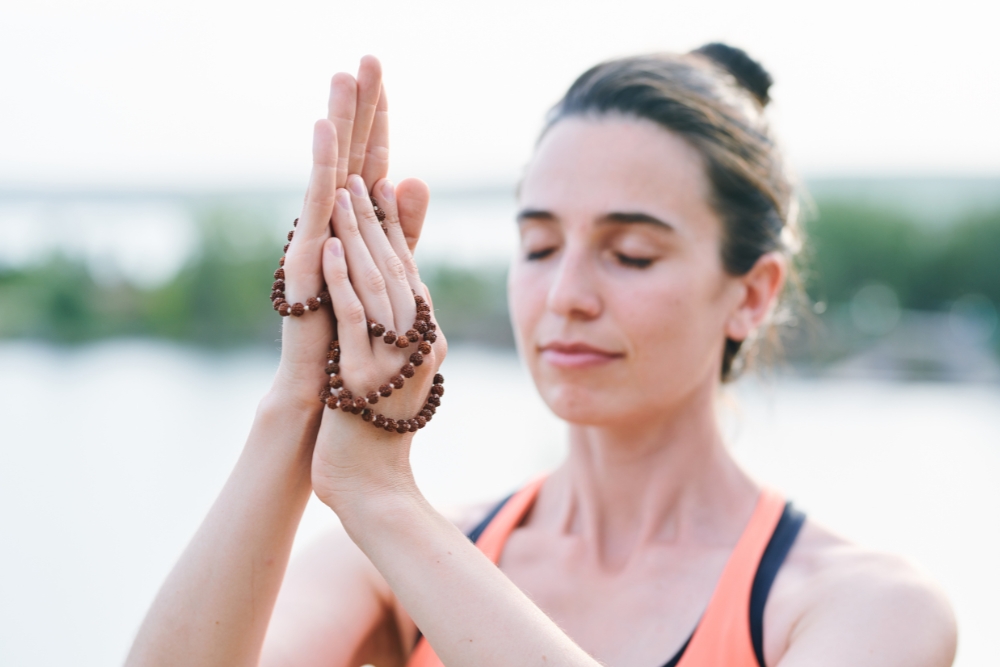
point(422, 334)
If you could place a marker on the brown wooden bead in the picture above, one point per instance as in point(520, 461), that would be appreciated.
point(370, 323)
point(346, 395)
point(279, 274)
point(437, 390)
point(418, 299)
point(295, 222)
point(324, 297)
point(324, 394)
point(335, 345)
point(430, 336)
point(276, 295)
point(284, 309)
point(379, 420)
point(378, 330)
point(277, 303)
point(423, 317)
point(346, 406)
point(380, 214)
point(424, 347)
point(366, 415)
point(298, 309)
point(385, 391)
point(432, 408)
point(421, 327)
point(281, 261)
point(396, 381)
point(434, 400)
point(402, 342)
point(332, 369)
point(373, 397)
point(331, 354)
point(402, 427)
point(335, 382)
point(412, 335)
point(389, 337)
point(426, 414)
point(407, 371)
point(332, 402)
point(421, 421)
point(390, 424)
point(285, 249)
point(359, 404)
point(291, 234)
point(278, 285)
point(416, 358)
point(432, 326)
point(312, 303)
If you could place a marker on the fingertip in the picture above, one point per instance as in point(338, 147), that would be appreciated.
point(344, 199)
point(334, 247)
point(369, 61)
point(386, 189)
point(343, 80)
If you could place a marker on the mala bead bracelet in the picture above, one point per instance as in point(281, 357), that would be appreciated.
point(421, 335)
point(278, 289)
point(423, 328)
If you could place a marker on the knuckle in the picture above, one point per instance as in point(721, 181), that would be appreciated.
point(374, 280)
point(354, 313)
point(409, 264)
point(395, 268)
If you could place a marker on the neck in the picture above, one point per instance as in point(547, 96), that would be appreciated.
point(669, 479)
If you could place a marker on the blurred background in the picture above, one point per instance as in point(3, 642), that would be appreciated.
point(153, 155)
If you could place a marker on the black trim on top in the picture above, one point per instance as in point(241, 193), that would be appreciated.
point(774, 556)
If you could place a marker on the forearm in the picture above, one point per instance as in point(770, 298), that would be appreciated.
point(471, 613)
point(215, 605)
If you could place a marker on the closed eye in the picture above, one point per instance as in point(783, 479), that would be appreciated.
point(540, 254)
point(634, 262)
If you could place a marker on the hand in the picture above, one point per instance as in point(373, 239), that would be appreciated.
point(371, 275)
point(353, 139)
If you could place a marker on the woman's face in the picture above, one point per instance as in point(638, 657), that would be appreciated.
point(618, 295)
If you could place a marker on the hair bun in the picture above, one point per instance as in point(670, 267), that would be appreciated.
point(748, 72)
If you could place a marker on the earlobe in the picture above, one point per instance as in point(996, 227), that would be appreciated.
point(762, 286)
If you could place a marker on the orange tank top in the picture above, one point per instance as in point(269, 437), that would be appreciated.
point(722, 638)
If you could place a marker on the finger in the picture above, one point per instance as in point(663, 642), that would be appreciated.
point(369, 85)
point(376, 165)
point(341, 109)
point(385, 195)
point(352, 329)
point(413, 197)
point(366, 277)
point(302, 261)
point(398, 286)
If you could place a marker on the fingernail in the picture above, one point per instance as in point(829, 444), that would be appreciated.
point(357, 186)
point(336, 248)
point(388, 191)
point(343, 199)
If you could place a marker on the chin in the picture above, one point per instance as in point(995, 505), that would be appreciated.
point(584, 405)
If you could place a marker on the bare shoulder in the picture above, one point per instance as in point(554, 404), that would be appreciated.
point(834, 602)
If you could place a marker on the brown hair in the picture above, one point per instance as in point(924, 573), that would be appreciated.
point(714, 97)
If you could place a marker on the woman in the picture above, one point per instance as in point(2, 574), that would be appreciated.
point(656, 225)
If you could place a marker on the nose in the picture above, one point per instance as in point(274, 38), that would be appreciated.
point(574, 293)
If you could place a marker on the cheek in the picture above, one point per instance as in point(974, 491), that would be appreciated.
point(526, 293)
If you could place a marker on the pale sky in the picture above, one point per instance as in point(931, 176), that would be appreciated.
point(207, 94)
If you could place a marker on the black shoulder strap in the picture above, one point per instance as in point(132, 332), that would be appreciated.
point(478, 530)
point(774, 555)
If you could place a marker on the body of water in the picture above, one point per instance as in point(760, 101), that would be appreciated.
point(111, 454)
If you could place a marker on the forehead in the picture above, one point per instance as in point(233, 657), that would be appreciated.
point(589, 166)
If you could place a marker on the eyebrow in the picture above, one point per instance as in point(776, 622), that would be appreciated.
point(615, 217)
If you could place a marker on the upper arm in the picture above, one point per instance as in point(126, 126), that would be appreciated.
point(871, 610)
point(335, 610)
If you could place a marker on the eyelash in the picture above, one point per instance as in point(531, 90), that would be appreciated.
point(633, 262)
point(540, 254)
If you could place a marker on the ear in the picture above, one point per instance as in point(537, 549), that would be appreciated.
point(761, 287)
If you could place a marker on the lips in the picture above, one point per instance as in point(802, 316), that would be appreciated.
point(576, 355)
